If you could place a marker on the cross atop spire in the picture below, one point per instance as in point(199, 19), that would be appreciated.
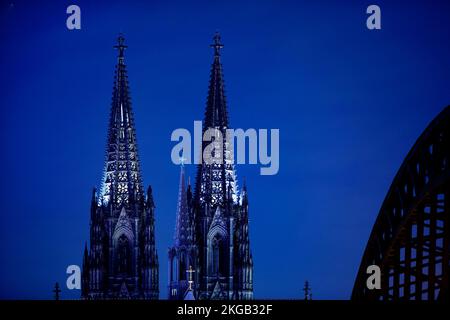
point(217, 45)
point(120, 45)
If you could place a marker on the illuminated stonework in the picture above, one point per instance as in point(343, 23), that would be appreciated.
point(211, 233)
point(121, 262)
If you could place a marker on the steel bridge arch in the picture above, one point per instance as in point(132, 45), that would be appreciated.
point(410, 238)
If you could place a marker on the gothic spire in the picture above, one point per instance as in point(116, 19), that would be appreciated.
point(85, 273)
point(122, 180)
point(216, 108)
point(85, 254)
point(122, 261)
point(182, 224)
point(213, 181)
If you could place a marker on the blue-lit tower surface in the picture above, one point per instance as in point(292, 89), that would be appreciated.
point(213, 235)
point(184, 253)
point(121, 262)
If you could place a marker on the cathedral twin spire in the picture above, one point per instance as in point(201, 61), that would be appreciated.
point(215, 182)
point(216, 219)
point(121, 261)
point(122, 180)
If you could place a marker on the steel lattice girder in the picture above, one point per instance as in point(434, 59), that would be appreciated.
point(410, 238)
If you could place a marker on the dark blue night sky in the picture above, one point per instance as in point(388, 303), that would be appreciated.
point(349, 104)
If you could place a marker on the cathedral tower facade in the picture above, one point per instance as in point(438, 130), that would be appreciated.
point(214, 224)
point(121, 261)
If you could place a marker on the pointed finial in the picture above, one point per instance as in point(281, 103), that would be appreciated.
point(121, 46)
point(57, 291)
point(307, 290)
point(94, 195)
point(85, 255)
point(150, 197)
point(217, 45)
point(230, 192)
point(149, 192)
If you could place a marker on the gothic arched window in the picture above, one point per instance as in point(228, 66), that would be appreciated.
point(183, 267)
point(123, 255)
point(219, 261)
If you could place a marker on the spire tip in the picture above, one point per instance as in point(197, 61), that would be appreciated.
point(121, 45)
point(217, 45)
